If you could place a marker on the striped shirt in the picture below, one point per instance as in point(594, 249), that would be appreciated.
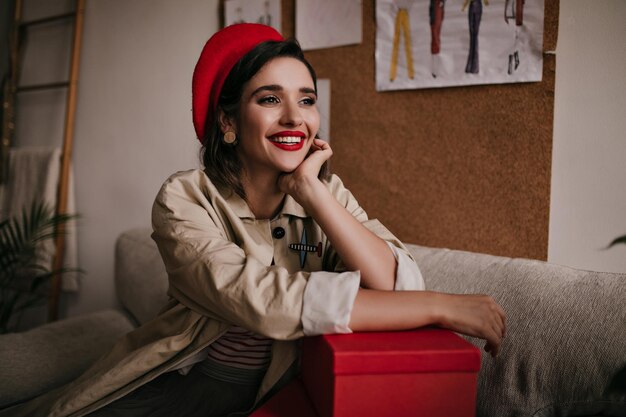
point(238, 356)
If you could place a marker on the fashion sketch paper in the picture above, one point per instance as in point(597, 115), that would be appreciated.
point(266, 12)
point(441, 43)
point(328, 23)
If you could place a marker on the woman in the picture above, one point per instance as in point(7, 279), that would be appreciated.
point(261, 247)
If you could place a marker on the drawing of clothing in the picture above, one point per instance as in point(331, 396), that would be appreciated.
point(266, 17)
point(519, 12)
point(514, 9)
point(402, 24)
point(265, 20)
point(474, 15)
point(435, 11)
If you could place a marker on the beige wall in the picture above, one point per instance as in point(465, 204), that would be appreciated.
point(588, 197)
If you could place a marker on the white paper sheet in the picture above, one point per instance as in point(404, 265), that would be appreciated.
point(506, 52)
point(328, 23)
point(266, 12)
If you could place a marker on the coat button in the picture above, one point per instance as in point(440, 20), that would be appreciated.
point(278, 233)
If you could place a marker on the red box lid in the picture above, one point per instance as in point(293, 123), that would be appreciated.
point(414, 351)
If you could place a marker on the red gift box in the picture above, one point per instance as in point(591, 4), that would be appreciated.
point(424, 372)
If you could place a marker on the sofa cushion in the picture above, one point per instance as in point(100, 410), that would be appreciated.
point(140, 277)
point(565, 349)
point(51, 355)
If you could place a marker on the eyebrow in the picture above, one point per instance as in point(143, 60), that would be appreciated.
point(276, 87)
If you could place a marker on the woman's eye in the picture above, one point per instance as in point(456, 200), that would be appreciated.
point(268, 100)
point(309, 101)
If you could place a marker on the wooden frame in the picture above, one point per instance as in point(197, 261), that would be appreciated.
point(66, 158)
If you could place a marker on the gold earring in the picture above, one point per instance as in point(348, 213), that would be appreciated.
point(230, 138)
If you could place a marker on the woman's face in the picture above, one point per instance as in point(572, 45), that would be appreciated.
point(278, 118)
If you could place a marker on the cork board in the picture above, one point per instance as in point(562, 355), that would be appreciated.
point(464, 167)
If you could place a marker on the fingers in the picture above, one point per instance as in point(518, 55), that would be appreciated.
point(500, 318)
point(492, 325)
point(320, 153)
point(320, 145)
point(493, 342)
point(503, 317)
point(321, 142)
point(497, 330)
point(475, 315)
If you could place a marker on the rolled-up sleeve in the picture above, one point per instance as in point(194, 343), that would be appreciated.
point(328, 301)
point(408, 274)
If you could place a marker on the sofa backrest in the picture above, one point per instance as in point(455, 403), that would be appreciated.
point(140, 277)
point(564, 353)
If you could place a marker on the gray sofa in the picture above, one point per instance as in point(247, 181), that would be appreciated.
point(564, 354)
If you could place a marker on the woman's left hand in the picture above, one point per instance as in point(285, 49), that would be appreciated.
point(299, 182)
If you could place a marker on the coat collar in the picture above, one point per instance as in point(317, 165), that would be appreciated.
point(242, 210)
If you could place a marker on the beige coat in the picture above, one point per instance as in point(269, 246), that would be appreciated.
point(219, 262)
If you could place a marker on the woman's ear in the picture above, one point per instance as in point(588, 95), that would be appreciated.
point(227, 123)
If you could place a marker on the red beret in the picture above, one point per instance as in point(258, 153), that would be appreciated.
point(218, 57)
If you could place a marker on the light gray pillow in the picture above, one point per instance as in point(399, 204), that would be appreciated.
point(140, 276)
point(565, 350)
point(38, 360)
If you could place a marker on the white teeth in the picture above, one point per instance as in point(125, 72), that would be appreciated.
point(286, 139)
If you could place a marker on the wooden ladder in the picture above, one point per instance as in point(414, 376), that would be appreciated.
point(18, 44)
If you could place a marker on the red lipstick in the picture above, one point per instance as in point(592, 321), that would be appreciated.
point(285, 145)
point(289, 147)
point(290, 133)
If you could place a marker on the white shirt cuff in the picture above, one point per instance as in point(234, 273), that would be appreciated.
point(328, 301)
point(408, 275)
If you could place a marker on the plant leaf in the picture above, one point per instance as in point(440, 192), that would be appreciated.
point(616, 241)
point(23, 270)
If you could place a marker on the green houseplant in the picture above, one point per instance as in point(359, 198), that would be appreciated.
point(24, 264)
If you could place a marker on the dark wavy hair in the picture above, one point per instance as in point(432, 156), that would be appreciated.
point(221, 161)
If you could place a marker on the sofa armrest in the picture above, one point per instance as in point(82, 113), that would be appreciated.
point(51, 355)
point(565, 348)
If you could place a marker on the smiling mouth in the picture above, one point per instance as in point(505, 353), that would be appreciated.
point(286, 139)
point(287, 143)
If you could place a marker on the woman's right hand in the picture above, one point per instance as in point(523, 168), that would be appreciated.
point(474, 315)
point(299, 183)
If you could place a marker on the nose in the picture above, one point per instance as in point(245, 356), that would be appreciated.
point(291, 115)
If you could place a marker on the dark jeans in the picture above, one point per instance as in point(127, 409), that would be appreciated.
point(173, 394)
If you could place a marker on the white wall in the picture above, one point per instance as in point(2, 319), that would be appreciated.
point(588, 198)
point(134, 125)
